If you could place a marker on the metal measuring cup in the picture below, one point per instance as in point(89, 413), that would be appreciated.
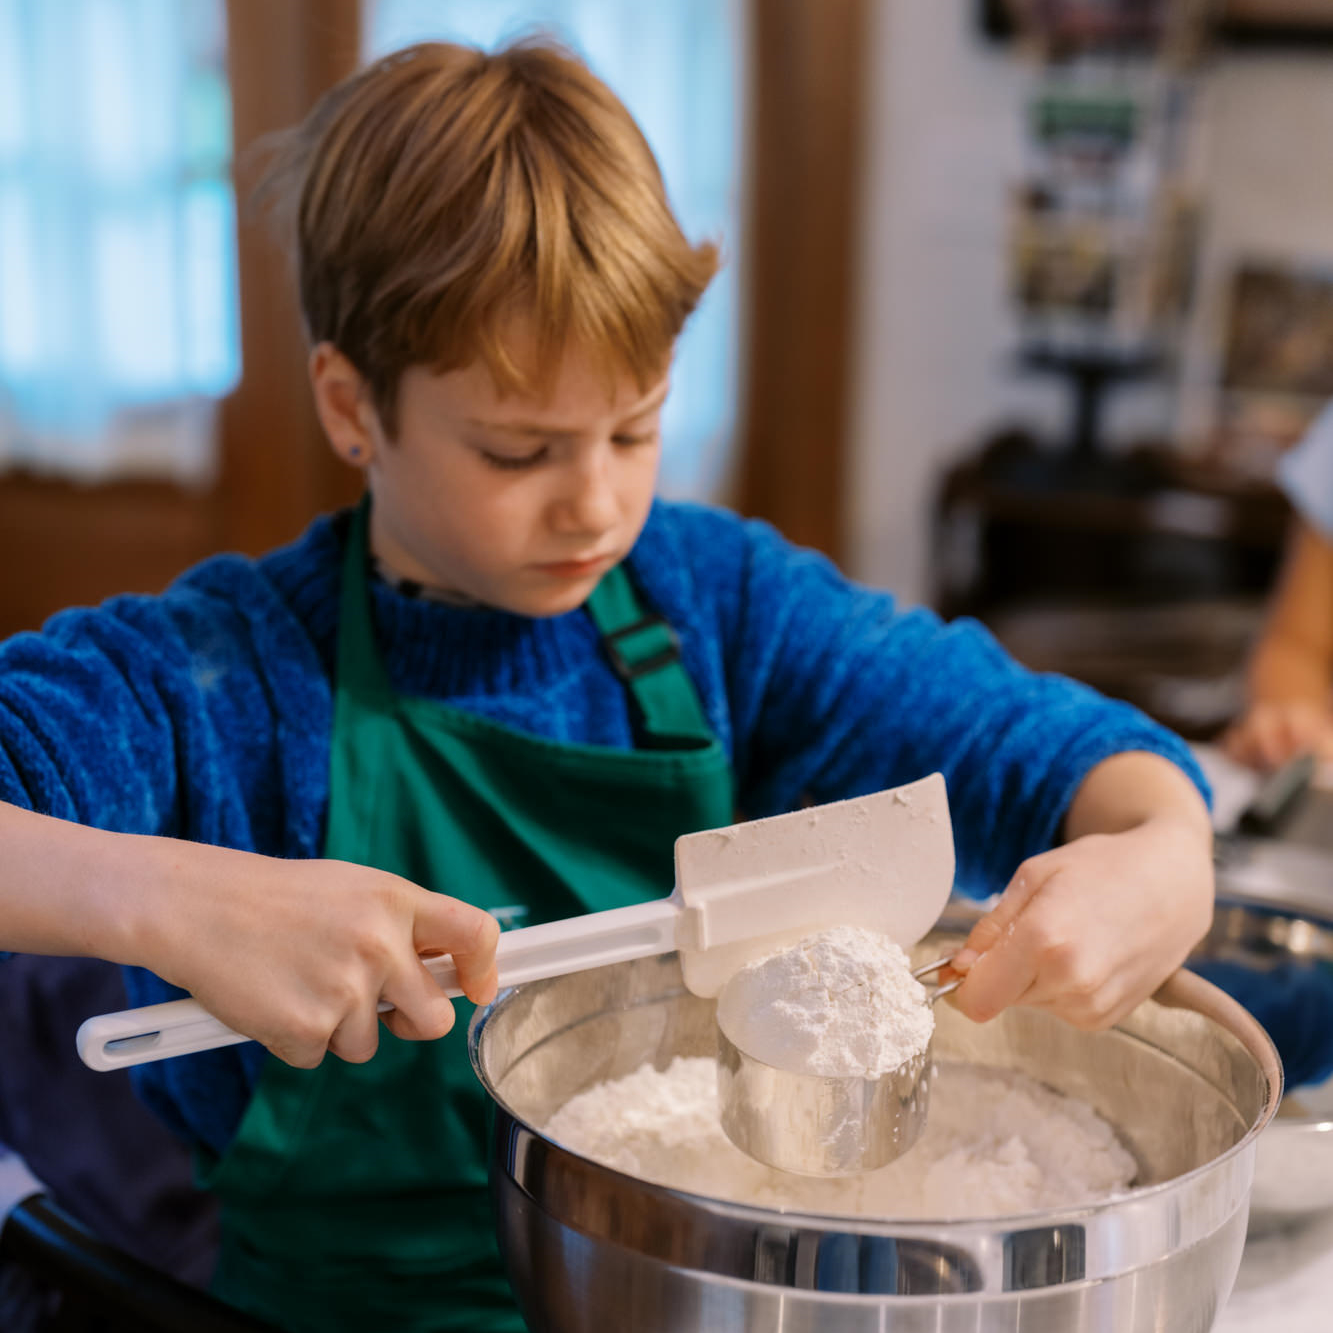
point(816, 1125)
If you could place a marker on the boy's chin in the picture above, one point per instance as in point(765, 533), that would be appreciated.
point(543, 603)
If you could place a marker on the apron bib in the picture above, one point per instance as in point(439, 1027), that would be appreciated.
point(355, 1196)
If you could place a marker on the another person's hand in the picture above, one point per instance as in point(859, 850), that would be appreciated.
point(1290, 678)
point(1274, 731)
point(1088, 930)
point(298, 954)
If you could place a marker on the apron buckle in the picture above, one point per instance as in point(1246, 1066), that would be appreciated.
point(659, 646)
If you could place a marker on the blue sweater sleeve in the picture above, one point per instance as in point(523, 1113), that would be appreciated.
point(101, 715)
point(834, 691)
point(160, 715)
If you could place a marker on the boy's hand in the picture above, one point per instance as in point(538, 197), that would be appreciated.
point(1090, 929)
point(298, 954)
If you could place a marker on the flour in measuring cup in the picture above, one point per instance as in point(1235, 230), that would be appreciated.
point(842, 1003)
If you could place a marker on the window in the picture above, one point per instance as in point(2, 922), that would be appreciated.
point(118, 319)
point(677, 67)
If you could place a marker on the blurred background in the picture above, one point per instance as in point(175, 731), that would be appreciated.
point(1022, 300)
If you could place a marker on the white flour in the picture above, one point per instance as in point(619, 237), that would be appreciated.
point(840, 1003)
point(996, 1143)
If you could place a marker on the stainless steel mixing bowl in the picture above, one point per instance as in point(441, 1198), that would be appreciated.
point(1188, 1079)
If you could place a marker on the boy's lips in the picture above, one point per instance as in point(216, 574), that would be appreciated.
point(574, 569)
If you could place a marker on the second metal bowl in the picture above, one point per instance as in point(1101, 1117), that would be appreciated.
point(1273, 926)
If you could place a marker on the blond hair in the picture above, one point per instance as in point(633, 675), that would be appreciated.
point(442, 191)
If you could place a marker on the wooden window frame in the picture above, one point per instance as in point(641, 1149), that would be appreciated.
point(806, 146)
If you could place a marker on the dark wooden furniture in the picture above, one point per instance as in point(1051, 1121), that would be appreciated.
point(1144, 574)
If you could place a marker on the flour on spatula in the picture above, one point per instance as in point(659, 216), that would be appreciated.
point(841, 1004)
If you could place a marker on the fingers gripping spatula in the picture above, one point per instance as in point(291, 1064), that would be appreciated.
point(883, 861)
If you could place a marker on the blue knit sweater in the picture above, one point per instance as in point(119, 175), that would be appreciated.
point(205, 713)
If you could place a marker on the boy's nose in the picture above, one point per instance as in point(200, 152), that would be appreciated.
point(589, 503)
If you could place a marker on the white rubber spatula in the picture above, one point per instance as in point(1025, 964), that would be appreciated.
point(883, 861)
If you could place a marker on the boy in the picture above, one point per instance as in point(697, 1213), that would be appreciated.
point(513, 679)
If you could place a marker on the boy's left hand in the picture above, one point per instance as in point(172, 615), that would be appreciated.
point(1091, 928)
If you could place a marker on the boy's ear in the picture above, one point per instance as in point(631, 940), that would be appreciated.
point(343, 404)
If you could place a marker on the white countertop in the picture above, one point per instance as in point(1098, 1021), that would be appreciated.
point(1285, 1282)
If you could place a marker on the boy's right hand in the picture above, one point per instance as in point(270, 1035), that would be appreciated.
point(298, 954)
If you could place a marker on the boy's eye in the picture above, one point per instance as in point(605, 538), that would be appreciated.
point(646, 437)
point(510, 463)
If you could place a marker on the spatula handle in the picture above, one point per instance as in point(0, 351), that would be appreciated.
point(180, 1027)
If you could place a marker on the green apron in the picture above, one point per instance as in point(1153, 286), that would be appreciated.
point(355, 1196)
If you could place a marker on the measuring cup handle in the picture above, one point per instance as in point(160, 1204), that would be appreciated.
point(920, 973)
point(941, 991)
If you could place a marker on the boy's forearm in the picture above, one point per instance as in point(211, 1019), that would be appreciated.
point(1128, 790)
point(66, 889)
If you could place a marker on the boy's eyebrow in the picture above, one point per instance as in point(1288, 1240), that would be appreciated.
point(536, 428)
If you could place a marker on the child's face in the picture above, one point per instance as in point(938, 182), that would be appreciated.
point(521, 502)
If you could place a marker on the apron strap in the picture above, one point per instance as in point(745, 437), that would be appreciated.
point(645, 654)
point(359, 664)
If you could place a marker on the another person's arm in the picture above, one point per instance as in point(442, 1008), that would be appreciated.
point(1090, 928)
point(1290, 682)
point(295, 953)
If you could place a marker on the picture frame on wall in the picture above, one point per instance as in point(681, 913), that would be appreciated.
point(1276, 361)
